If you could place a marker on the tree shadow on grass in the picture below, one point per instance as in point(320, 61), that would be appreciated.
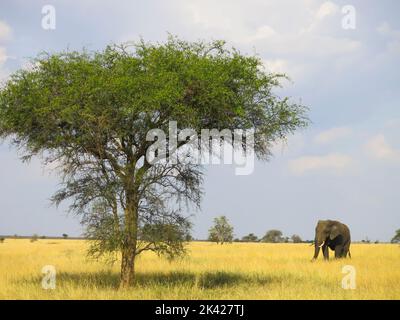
point(206, 280)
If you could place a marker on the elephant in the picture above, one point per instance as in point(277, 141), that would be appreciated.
point(334, 235)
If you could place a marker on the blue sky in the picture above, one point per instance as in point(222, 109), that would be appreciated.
point(345, 166)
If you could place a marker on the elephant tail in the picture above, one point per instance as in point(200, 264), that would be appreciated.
point(349, 254)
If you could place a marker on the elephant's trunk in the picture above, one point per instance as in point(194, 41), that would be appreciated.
point(317, 248)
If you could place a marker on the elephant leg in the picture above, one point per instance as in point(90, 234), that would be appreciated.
point(325, 250)
point(316, 252)
point(339, 251)
point(346, 250)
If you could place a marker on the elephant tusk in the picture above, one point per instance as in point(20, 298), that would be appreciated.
point(322, 244)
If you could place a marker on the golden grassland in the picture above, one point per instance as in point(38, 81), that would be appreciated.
point(209, 271)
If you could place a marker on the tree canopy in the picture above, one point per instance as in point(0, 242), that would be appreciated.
point(296, 238)
point(273, 236)
point(89, 113)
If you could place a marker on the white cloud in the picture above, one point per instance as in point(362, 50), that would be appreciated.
point(331, 163)
point(3, 58)
point(386, 30)
point(3, 55)
point(378, 148)
point(310, 44)
point(319, 16)
point(244, 23)
point(294, 37)
point(393, 123)
point(291, 145)
point(393, 44)
point(263, 32)
point(393, 47)
point(214, 16)
point(5, 31)
point(276, 65)
point(333, 134)
point(328, 8)
point(292, 69)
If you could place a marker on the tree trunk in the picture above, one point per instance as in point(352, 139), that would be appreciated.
point(130, 242)
point(127, 268)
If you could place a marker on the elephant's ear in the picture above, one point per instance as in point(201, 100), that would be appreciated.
point(334, 232)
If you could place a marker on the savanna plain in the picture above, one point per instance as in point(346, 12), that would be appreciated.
point(208, 271)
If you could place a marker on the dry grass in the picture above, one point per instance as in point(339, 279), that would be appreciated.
point(210, 271)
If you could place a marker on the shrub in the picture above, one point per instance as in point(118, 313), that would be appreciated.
point(296, 239)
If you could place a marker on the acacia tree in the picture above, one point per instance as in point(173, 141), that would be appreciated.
point(88, 113)
point(221, 231)
point(273, 236)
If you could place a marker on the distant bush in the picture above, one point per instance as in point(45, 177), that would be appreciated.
point(34, 238)
point(250, 238)
point(65, 236)
point(396, 238)
point(2, 240)
point(285, 240)
point(366, 240)
point(296, 239)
